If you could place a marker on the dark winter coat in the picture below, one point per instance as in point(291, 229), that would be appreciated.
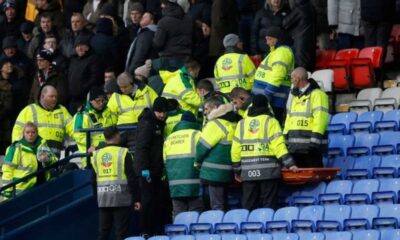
point(67, 43)
point(84, 73)
point(105, 47)
point(378, 10)
point(201, 13)
point(224, 20)
point(301, 25)
point(174, 35)
point(56, 79)
point(6, 99)
point(149, 144)
point(321, 8)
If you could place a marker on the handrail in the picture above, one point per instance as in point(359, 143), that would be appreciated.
point(40, 171)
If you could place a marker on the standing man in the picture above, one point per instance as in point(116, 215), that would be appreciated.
point(149, 157)
point(234, 68)
point(116, 188)
point(273, 75)
point(307, 121)
point(258, 150)
point(213, 156)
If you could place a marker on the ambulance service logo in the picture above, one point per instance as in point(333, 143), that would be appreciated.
point(106, 160)
point(254, 126)
point(226, 64)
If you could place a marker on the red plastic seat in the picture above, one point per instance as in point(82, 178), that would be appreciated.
point(341, 68)
point(375, 54)
point(324, 57)
point(362, 68)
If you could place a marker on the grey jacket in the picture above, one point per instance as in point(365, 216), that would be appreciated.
point(346, 16)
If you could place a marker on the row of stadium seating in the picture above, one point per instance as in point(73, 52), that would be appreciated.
point(375, 99)
point(390, 234)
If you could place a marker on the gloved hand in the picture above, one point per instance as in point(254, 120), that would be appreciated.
point(197, 165)
point(146, 174)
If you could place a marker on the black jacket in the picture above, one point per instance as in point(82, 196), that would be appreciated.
point(174, 35)
point(149, 144)
point(377, 10)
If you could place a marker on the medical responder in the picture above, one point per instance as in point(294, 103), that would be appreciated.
point(242, 99)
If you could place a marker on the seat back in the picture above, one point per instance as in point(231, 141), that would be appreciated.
point(366, 139)
point(366, 186)
point(366, 235)
point(261, 215)
point(392, 234)
point(367, 162)
point(369, 94)
point(338, 235)
point(182, 237)
point(362, 73)
point(208, 237)
point(341, 141)
point(312, 236)
point(393, 115)
point(340, 186)
point(286, 214)
point(211, 216)
point(323, 57)
point(285, 236)
point(375, 54)
point(391, 161)
point(186, 218)
point(325, 77)
point(389, 184)
point(344, 118)
point(259, 236)
point(314, 213)
point(365, 211)
point(159, 238)
point(390, 210)
point(233, 237)
point(236, 216)
point(347, 54)
point(313, 190)
point(392, 93)
point(337, 212)
point(389, 138)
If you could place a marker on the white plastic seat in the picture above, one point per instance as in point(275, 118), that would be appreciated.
point(365, 100)
point(389, 100)
point(324, 78)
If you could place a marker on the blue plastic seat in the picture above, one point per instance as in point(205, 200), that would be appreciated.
point(366, 235)
point(363, 144)
point(231, 221)
point(340, 122)
point(312, 236)
point(388, 217)
point(366, 122)
point(343, 163)
point(207, 221)
point(181, 223)
point(388, 189)
point(388, 168)
point(259, 236)
point(335, 191)
point(338, 235)
point(388, 143)
point(362, 191)
point(285, 236)
point(363, 167)
point(392, 234)
point(390, 121)
point(208, 237)
point(233, 237)
point(309, 195)
point(308, 217)
point(161, 237)
point(282, 219)
point(182, 237)
point(333, 218)
point(361, 217)
point(135, 238)
point(256, 220)
point(338, 144)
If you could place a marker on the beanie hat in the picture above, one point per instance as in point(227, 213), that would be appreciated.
point(230, 40)
point(8, 4)
point(188, 116)
point(160, 105)
point(45, 54)
point(9, 42)
point(107, 9)
point(96, 92)
point(104, 25)
point(137, 6)
point(185, 5)
point(111, 87)
point(274, 32)
point(260, 101)
point(82, 40)
point(144, 70)
point(27, 27)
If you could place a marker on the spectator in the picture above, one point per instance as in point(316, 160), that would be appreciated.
point(344, 17)
point(84, 72)
point(109, 75)
point(6, 105)
point(111, 87)
point(307, 121)
point(377, 19)
point(271, 15)
point(247, 11)
point(258, 151)
point(136, 13)
point(115, 207)
point(47, 74)
point(51, 117)
point(11, 23)
point(60, 62)
point(149, 156)
point(322, 26)
point(27, 36)
point(153, 6)
point(127, 106)
point(300, 23)
point(174, 116)
point(91, 10)
point(241, 99)
point(213, 151)
point(181, 86)
point(179, 156)
point(224, 20)
point(271, 78)
point(141, 48)
point(78, 29)
point(234, 68)
point(94, 114)
point(174, 36)
point(70, 8)
point(52, 9)
point(29, 150)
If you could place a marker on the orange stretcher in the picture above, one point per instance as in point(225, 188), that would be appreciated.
point(308, 175)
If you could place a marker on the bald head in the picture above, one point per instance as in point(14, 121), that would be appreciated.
point(48, 97)
point(299, 77)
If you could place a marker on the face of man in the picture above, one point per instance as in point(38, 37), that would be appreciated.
point(81, 49)
point(42, 64)
point(7, 68)
point(49, 99)
point(160, 115)
point(238, 102)
point(40, 3)
point(10, 52)
point(98, 103)
point(50, 43)
point(146, 20)
point(109, 76)
point(10, 13)
point(30, 134)
point(276, 3)
point(239, 45)
point(46, 24)
point(135, 16)
point(76, 23)
point(295, 80)
point(194, 72)
point(27, 36)
point(208, 108)
point(126, 88)
point(271, 41)
point(201, 92)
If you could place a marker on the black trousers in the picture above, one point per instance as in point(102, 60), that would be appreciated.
point(377, 34)
point(312, 159)
point(119, 216)
point(260, 194)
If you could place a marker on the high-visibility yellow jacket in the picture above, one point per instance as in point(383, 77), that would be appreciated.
point(173, 118)
point(53, 125)
point(112, 184)
point(21, 160)
point(234, 70)
point(307, 120)
point(181, 87)
point(272, 77)
point(258, 148)
point(128, 108)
